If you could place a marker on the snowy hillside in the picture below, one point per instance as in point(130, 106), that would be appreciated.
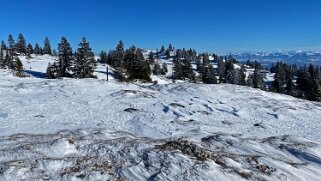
point(91, 129)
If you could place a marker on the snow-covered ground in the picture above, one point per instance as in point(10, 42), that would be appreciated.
point(91, 129)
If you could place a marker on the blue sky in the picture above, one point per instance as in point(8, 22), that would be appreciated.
point(207, 25)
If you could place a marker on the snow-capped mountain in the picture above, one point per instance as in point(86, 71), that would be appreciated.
point(290, 57)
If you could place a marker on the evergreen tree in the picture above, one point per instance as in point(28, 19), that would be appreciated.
point(85, 63)
point(29, 50)
point(65, 57)
point(103, 57)
point(164, 69)
point(50, 73)
point(168, 54)
point(208, 75)
point(11, 45)
point(241, 76)
point(162, 51)
point(119, 56)
point(21, 45)
point(151, 57)
point(221, 69)
point(230, 74)
point(188, 70)
point(2, 59)
point(258, 81)
point(37, 49)
point(177, 69)
point(279, 78)
point(157, 70)
point(3, 46)
point(199, 63)
point(290, 87)
point(3, 49)
point(54, 52)
point(137, 67)
point(47, 47)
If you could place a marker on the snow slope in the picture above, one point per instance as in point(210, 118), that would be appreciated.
point(90, 129)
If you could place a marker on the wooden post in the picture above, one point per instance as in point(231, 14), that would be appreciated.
point(107, 71)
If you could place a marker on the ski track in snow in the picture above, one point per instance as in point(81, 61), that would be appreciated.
point(93, 129)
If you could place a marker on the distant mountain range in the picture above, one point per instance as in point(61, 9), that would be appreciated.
point(290, 57)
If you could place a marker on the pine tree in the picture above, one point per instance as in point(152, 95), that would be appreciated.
point(290, 87)
point(37, 49)
point(241, 76)
point(136, 66)
point(50, 73)
point(168, 54)
point(65, 57)
point(208, 75)
point(119, 56)
point(11, 44)
point(230, 74)
point(103, 57)
point(85, 63)
point(221, 70)
point(54, 52)
point(3, 49)
point(3, 46)
point(21, 45)
point(2, 59)
point(177, 70)
point(162, 51)
point(47, 47)
point(17, 65)
point(29, 50)
point(164, 69)
point(258, 81)
point(151, 57)
point(157, 69)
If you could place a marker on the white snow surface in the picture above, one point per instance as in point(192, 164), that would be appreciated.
point(91, 129)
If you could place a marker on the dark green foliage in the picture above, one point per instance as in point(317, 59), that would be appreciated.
point(47, 47)
point(54, 52)
point(2, 59)
point(37, 50)
point(168, 54)
point(65, 57)
point(118, 60)
point(3, 46)
point(230, 73)
point(241, 76)
point(255, 80)
point(308, 83)
point(103, 57)
point(164, 69)
point(136, 66)
point(162, 51)
point(183, 69)
point(29, 50)
point(208, 75)
point(85, 63)
point(157, 70)
point(290, 88)
point(221, 70)
point(11, 45)
point(258, 79)
point(177, 70)
point(21, 45)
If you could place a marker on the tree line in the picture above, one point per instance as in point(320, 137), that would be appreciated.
point(187, 64)
point(302, 82)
